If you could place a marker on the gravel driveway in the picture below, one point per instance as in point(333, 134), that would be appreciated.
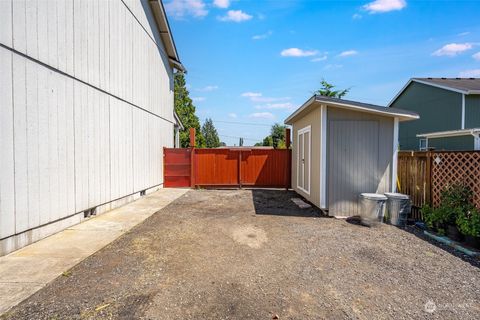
point(241, 254)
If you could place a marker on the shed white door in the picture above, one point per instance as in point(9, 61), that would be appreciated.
point(303, 159)
point(353, 150)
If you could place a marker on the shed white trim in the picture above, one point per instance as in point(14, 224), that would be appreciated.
point(301, 132)
point(395, 156)
point(463, 111)
point(323, 157)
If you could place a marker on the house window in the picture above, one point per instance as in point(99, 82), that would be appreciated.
point(423, 146)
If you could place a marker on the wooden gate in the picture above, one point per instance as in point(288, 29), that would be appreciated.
point(228, 167)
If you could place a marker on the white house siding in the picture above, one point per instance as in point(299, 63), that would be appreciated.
point(86, 94)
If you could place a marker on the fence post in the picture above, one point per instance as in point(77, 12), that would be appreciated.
point(288, 172)
point(428, 179)
point(240, 169)
point(192, 157)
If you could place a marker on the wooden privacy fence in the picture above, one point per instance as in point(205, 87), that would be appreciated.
point(227, 167)
point(423, 175)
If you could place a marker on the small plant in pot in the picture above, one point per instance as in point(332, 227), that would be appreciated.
point(456, 200)
point(469, 224)
point(435, 218)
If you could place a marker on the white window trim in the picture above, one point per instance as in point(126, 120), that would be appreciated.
point(323, 157)
point(476, 142)
point(463, 111)
point(300, 132)
point(420, 144)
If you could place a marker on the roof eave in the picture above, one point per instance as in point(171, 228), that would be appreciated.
point(312, 100)
point(299, 110)
point(178, 121)
point(467, 92)
point(166, 34)
point(451, 133)
point(400, 116)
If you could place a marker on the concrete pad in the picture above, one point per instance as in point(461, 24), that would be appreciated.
point(13, 293)
point(27, 270)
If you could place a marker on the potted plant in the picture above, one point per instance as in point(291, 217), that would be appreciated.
point(435, 218)
point(456, 200)
point(469, 225)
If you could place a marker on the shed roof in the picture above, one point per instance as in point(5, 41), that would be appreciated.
point(166, 34)
point(460, 85)
point(464, 84)
point(317, 100)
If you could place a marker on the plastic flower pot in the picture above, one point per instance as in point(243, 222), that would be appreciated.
point(472, 241)
point(453, 233)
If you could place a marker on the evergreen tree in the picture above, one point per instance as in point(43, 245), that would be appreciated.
point(186, 112)
point(327, 90)
point(210, 134)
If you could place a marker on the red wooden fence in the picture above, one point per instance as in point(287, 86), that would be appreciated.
point(227, 167)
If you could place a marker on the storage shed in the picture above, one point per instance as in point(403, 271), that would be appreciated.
point(343, 148)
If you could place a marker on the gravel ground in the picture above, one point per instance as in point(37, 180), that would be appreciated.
point(242, 254)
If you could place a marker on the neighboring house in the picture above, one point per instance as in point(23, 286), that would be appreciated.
point(86, 93)
point(343, 148)
point(449, 110)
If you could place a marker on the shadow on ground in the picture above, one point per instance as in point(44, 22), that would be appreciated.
point(278, 203)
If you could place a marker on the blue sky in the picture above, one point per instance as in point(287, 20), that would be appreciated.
point(251, 63)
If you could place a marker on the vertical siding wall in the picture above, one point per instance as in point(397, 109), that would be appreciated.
point(363, 164)
point(86, 97)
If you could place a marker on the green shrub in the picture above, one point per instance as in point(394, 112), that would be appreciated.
point(468, 222)
point(457, 195)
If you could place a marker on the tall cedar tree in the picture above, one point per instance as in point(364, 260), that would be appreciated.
point(186, 112)
point(210, 134)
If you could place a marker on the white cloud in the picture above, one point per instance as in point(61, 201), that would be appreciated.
point(198, 99)
point(207, 88)
point(463, 33)
point(380, 6)
point(232, 115)
point(221, 3)
point(357, 16)
point(318, 59)
point(251, 94)
point(277, 106)
point(348, 53)
point(473, 73)
point(333, 66)
point(179, 9)
point(262, 115)
point(258, 97)
point(235, 16)
point(296, 52)
point(476, 56)
point(452, 49)
point(262, 36)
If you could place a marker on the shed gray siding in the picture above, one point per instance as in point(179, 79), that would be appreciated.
point(359, 156)
point(86, 93)
point(439, 110)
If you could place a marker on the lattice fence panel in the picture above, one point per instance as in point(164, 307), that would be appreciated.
point(455, 167)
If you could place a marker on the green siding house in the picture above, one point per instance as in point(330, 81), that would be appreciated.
point(449, 110)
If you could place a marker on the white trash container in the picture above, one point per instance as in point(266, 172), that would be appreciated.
point(398, 208)
point(372, 207)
